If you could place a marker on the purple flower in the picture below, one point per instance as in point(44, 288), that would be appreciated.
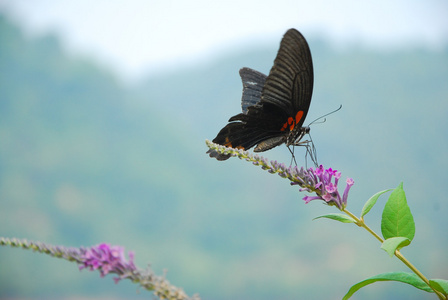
point(307, 199)
point(325, 188)
point(108, 260)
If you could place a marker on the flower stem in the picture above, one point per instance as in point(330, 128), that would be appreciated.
point(419, 274)
point(360, 222)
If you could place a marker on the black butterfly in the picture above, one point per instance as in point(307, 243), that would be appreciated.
point(275, 106)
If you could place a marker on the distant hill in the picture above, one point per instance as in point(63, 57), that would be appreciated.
point(84, 160)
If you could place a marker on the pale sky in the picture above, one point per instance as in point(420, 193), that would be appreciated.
point(134, 37)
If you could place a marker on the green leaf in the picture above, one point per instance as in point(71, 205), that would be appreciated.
point(338, 217)
point(440, 285)
point(397, 219)
point(392, 244)
point(371, 202)
point(408, 278)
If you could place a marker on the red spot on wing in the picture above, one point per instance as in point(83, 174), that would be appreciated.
point(292, 122)
point(228, 143)
point(299, 116)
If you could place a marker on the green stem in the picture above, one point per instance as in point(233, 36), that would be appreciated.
point(419, 274)
point(360, 223)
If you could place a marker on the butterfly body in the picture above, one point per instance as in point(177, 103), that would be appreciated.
point(274, 107)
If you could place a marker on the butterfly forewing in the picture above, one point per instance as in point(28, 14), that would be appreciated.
point(290, 81)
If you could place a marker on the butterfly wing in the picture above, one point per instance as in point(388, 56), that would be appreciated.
point(289, 85)
point(245, 130)
point(253, 83)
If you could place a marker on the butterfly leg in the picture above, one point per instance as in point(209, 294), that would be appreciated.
point(311, 152)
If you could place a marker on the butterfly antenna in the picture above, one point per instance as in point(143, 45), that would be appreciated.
point(326, 115)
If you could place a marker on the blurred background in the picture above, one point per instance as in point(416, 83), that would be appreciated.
point(105, 107)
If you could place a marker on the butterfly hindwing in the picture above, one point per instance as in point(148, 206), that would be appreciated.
point(253, 83)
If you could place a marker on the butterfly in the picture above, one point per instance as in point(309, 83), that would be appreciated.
point(274, 107)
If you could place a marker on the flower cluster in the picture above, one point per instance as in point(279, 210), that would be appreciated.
point(318, 181)
point(108, 260)
point(324, 188)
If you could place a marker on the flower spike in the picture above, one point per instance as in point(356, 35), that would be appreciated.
point(320, 181)
point(107, 259)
